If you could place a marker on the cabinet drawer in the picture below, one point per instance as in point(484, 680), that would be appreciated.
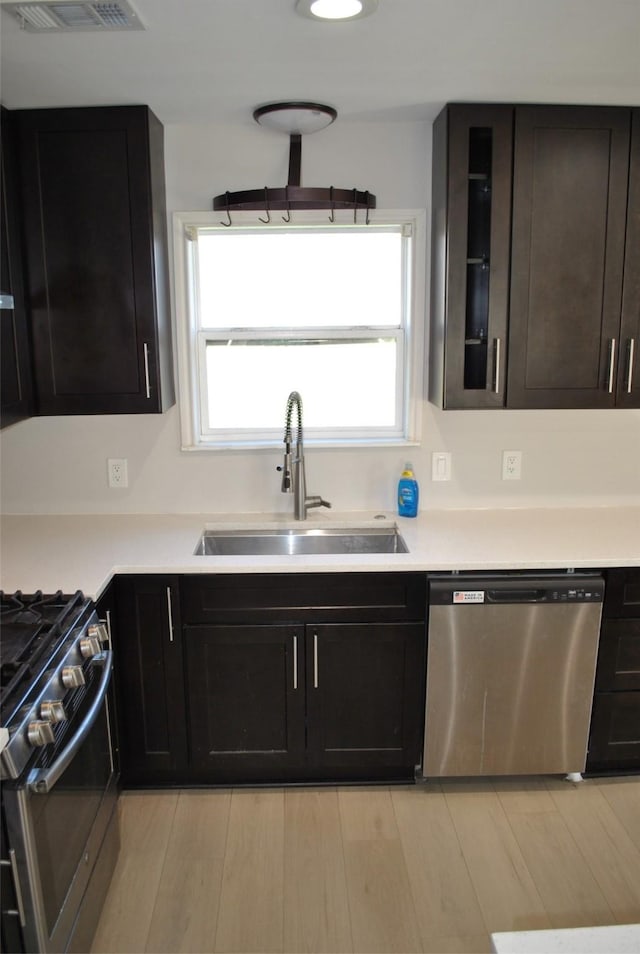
point(619, 655)
point(267, 597)
point(623, 593)
point(615, 731)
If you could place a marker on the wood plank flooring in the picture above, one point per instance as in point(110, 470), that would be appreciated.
point(434, 868)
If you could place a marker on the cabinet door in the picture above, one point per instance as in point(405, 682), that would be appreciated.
point(95, 229)
point(149, 679)
point(628, 377)
point(365, 689)
point(569, 208)
point(472, 150)
point(15, 373)
point(246, 704)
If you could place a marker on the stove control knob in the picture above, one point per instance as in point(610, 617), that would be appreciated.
point(40, 733)
point(99, 630)
point(72, 677)
point(91, 644)
point(53, 711)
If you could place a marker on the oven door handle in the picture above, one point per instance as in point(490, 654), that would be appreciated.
point(42, 781)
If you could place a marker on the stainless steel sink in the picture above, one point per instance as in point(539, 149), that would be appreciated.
point(293, 542)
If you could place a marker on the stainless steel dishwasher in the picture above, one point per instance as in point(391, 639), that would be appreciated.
point(511, 668)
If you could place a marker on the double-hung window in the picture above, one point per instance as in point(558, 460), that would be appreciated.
point(333, 311)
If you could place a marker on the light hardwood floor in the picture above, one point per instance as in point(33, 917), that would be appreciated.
point(432, 868)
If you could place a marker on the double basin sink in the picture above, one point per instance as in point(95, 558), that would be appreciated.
point(282, 542)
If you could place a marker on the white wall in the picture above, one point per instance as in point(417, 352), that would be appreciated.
point(572, 458)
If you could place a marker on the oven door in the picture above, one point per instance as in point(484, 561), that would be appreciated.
point(60, 818)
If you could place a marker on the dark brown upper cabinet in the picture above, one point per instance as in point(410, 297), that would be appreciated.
point(93, 200)
point(628, 362)
point(529, 308)
point(15, 372)
point(570, 186)
point(472, 157)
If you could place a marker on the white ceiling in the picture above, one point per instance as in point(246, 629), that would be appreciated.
point(213, 61)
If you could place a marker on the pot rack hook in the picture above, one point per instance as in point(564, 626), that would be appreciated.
point(227, 224)
point(332, 217)
point(266, 208)
point(355, 206)
point(287, 217)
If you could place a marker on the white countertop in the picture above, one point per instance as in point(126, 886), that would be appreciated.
point(83, 552)
point(617, 939)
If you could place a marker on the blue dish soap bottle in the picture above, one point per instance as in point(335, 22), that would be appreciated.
point(408, 493)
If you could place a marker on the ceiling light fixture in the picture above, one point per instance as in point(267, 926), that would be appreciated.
point(295, 119)
point(336, 9)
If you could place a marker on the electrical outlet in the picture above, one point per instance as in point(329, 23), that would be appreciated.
point(117, 472)
point(511, 465)
point(441, 465)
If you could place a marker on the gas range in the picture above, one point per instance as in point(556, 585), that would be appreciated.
point(58, 820)
point(46, 642)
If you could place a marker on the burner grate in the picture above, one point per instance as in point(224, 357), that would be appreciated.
point(31, 625)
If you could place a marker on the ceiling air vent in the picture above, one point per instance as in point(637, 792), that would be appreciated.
point(58, 17)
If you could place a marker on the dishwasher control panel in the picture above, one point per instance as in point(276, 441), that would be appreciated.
point(580, 594)
point(458, 590)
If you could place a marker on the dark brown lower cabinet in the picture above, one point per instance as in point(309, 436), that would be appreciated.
point(614, 743)
point(246, 705)
point(327, 702)
point(149, 680)
point(258, 679)
point(365, 699)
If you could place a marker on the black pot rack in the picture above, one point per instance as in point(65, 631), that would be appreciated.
point(294, 197)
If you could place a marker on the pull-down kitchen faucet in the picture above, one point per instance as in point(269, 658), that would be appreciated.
point(293, 475)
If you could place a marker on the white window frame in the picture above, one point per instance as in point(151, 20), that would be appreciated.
point(191, 340)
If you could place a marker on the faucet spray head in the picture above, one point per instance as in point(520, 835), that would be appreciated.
point(287, 483)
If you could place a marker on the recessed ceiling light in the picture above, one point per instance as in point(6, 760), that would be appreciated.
point(336, 9)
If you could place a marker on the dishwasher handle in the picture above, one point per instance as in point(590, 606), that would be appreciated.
point(516, 596)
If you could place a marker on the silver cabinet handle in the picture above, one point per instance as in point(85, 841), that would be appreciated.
point(315, 660)
point(110, 737)
point(496, 381)
point(295, 662)
point(107, 623)
point(145, 347)
point(16, 885)
point(169, 614)
point(612, 364)
point(632, 349)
